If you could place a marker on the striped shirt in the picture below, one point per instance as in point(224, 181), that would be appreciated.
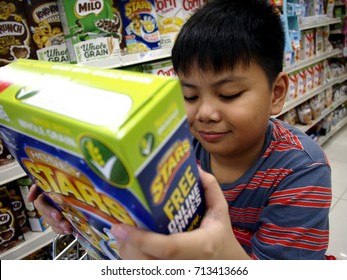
point(279, 208)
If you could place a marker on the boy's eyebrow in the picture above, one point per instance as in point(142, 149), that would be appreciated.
point(231, 79)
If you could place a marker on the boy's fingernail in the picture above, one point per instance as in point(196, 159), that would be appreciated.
point(120, 232)
point(54, 215)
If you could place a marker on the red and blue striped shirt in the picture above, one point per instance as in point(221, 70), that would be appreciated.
point(279, 208)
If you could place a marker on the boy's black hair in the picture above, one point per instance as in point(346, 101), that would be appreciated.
point(226, 33)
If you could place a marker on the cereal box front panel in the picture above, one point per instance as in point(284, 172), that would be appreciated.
point(90, 29)
point(46, 29)
point(15, 38)
point(140, 25)
point(171, 17)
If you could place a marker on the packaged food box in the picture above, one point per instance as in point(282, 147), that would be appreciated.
point(18, 206)
point(140, 25)
point(10, 232)
point(105, 146)
point(162, 68)
point(5, 155)
point(46, 29)
point(15, 38)
point(171, 16)
point(35, 220)
point(90, 30)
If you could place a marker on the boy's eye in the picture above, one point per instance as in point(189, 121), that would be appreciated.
point(190, 98)
point(230, 97)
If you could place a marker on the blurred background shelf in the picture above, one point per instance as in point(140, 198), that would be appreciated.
point(10, 172)
point(33, 242)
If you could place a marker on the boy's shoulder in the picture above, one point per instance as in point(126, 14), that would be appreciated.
point(286, 139)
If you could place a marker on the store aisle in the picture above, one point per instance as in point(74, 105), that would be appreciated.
point(336, 150)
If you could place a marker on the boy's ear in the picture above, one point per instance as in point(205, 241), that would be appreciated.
point(279, 93)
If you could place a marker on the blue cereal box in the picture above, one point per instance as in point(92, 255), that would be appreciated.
point(140, 25)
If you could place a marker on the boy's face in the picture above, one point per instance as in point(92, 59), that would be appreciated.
point(228, 112)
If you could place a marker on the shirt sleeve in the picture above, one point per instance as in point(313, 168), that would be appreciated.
point(294, 224)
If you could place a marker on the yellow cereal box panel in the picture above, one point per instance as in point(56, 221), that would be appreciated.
point(119, 151)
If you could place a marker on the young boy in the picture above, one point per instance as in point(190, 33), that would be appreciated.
point(274, 182)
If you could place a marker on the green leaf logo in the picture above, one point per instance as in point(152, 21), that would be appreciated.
point(104, 162)
point(147, 144)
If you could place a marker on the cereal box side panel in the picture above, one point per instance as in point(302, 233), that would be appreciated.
point(140, 25)
point(169, 176)
point(90, 27)
point(15, 38)
point(46, 29)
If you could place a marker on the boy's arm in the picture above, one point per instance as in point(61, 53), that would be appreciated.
point(214, 239)
point(294, 224)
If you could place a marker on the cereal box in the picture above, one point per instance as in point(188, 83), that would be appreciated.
point(105, 147)
point(171, 17)
point(161, 68)
point(35, 220)
point(10, 232)
point(140, 25)
point(119, 29)
point(46, 29)
point(15, 38)
point(191, 6)
point(90, 30)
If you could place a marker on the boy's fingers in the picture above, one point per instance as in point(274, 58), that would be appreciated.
point(155, 245)
point(33, 194)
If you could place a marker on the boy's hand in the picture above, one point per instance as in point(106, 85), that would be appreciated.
point(214, 239)
point(49, 214)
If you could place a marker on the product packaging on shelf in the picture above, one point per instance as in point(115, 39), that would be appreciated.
point(162, 68)
point(171, 17)
point(10, 232)
point(90, 30)
point(18, 206)
point(140, 25)
point(15, 37)
point(5, 155)
point(46, 29)
point(34, 217)
point(105, 146)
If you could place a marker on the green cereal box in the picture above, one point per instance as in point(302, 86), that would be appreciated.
point(105, 147)
point(46, 29)
point(90, 30)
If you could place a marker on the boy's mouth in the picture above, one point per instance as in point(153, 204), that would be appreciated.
point(211, 136)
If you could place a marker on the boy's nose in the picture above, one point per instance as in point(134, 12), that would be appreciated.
point(208, 112)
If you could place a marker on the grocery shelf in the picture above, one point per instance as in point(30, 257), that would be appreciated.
point(33, 242)
point(324, 113)
point(10, 172)
point(131, 59)
point(316, 21)
point(297, 101)
point(334, 129)
point(307, 62)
